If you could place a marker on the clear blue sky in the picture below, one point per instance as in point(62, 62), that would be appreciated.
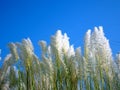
point(40, 19)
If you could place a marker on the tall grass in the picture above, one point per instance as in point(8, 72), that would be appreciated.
point(60, 67)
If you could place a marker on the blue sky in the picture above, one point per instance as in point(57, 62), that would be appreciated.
point(40, 19)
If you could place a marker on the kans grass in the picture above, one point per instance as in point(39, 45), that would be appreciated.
point(60, 67)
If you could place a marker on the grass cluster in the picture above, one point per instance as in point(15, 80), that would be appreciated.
point(60, 67)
